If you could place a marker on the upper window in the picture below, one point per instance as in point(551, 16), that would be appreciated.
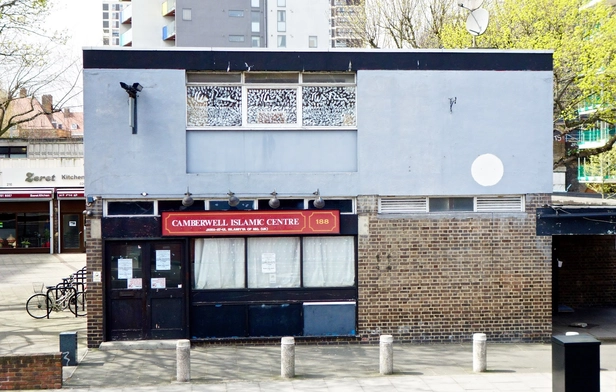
point(282, 21)
point(236, 38)
point(255, 3)
point(130, 208)
point(410, 205)
point(236, 13)
point(312, 41)
point(13, 152)
point(282, 3)
point(260, 99)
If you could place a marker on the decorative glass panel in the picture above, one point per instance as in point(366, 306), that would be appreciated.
point(328, 106)
point(272, 106)
point(214, 106)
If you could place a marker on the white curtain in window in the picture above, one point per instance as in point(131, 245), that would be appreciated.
point(273, 262)
point(219, 263)
point(329, 262)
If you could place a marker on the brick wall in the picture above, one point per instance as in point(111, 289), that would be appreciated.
point(31, 371)
point(588, 270)
point(94, 262)
point(443, 277)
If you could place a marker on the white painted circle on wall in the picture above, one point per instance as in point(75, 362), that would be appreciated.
point(487, 170)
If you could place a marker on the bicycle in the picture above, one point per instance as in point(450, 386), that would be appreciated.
point(58, 298)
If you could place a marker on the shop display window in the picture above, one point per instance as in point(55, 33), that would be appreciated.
point(24, 230)
point(274, 262)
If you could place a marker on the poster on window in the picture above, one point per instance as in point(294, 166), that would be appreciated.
point(125, 268)
point(268, 263)
point(163, 260)
point(134, 284)
point(158, 283)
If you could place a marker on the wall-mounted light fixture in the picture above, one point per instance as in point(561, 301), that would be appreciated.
point(274, 202)
point(144, 194)
point(318, 201)
point(233, 200)
point(187, 201)
point(132, 103)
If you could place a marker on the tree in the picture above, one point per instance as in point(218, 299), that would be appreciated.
point(401, 23)
point(583, 39)
point(31, 62)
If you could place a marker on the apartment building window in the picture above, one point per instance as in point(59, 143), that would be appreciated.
point(105, 15)
point(270, 99)
point(186, 13)
point(105, 24)
point(312, 41)
point(255, 19)
point(282, 41)
point(256, 42)
point(115, 15)
point(255, 3)
point(116, 24)
point(236, 38)
point(236, 13)
point(117, 7)
point(282, 3)
point(105, 7)
point(282, 22)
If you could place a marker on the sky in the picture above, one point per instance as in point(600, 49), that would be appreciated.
point(82, 21)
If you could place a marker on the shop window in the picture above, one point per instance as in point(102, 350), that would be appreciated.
point(273, 262)
point(329, 262)
point(24, 230)
point(219, 263)
point(130, 208)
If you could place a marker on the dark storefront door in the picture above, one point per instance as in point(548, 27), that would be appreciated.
point(146, 290)
point(72, 233)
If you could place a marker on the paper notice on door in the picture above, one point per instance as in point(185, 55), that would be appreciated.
point(158, 283)
point(135, 284)
point(125, 268)
point(268, 263)
point(163, 260)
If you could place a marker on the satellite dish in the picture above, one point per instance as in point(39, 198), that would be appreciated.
point(470, 4)
point(477, 21)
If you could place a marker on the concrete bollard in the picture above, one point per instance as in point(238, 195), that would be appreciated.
point(480, 342)
point(386, 358)
point(287, 357)
point(182, 350)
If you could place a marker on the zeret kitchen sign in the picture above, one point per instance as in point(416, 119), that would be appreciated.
point(250, 223)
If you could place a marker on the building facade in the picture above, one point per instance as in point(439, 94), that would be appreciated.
point(329, 195)
point(42, 179)
point(236, 24)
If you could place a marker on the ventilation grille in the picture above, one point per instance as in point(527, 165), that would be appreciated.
point(402, 205)
point(500, 204)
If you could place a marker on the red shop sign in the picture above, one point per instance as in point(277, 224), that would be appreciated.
point(251, 223)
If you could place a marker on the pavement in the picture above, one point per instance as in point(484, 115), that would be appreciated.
point(151, 366)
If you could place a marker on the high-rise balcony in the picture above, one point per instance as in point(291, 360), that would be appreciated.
point(604, 172)
point(168, 8)
point(126, 16)
point(126, 39)
point(594, 138)
point(169, 31)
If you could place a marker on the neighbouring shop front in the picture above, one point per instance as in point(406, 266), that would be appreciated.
point(234, 274)
point(41, 220)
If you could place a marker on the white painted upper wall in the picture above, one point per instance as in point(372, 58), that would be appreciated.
point(418, 132)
